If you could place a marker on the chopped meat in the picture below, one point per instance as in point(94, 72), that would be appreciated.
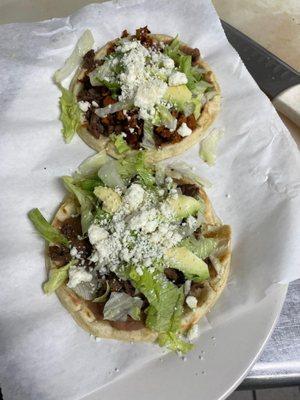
point(191, 122)
point(94, 93)
point(118, 285)
point(189, 190)
point(133, 141)
point(59, 254)
point(129, 325)
point(198, 233)
point(195, 53)
point(95, 126)
point(115, 284)
point(71, 228)
point(129, 289)
point(142, 34)
point(120, 116)
point(181, 119)
point(111, 48)
point(196, 289)
point(88, 62)
point(174, 275)
point(124, 33)
point(163, 135)
point(108, 100)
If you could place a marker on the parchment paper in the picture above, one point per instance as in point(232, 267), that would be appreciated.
point(256, 186)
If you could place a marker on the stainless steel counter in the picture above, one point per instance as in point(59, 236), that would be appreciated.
point(279, 364)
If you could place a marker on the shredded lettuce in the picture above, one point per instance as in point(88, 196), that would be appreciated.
point(69, 114)
point(202, 248)
point(109, 174)
point(92, 164)
point(121, 144)
point(85, 200)
point(46, 230)
point(172, 50)
point(182, 170)
point(164, 117)
point(201, 87)
point(208, 150)
point(148, 138)
point(165, 300)
point(136, 165)
point(120, 305)
point(143, 170)
point(57, 276)
point(88, 184)
point(84, 44)
point(174, 343)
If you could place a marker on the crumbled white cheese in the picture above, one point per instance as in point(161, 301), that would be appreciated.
point(177, 78)
point(191, 301)
point(134, 196)
point(127, 45)
point(95, 104)
point(192, 223)
point(96, 234)
point(148, 94)
point(184, 130)
point(78, 275)
point(139, 271)
point(84, 105)
point(73, 252)
point(168, 62)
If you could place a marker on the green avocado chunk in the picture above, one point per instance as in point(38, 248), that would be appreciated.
point(178, 95)
point(111, 200)
point(184, 206)
point(184, 260)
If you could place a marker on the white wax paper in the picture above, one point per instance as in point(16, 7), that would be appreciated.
point(256, 185)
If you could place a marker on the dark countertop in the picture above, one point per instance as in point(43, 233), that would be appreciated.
point(279, 363)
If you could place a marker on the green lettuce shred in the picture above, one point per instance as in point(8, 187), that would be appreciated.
point(143, 170)
point(92, 164)
point(45, 229)
point(85, 200)
point(208, 150)
point(174, 343)
point(57, 277)
point(172, 50)
point(88, 184)
point(165, 306)
point(136, 165)
point(121, 144)
point(70, 114)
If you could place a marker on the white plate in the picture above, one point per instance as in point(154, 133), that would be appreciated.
point(229, 352)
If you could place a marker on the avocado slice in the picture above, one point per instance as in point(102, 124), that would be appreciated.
point(184, 260)
point(111, 200)
point(184, 206)
point(178, 95)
